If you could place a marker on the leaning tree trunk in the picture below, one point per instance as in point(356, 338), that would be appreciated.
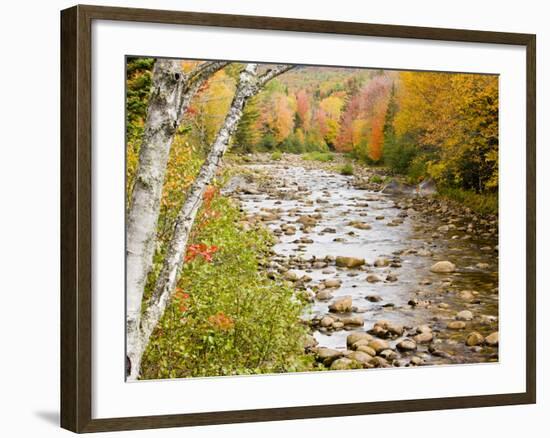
point(171, 95)
point(249, 85)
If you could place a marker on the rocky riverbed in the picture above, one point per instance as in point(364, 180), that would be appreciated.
point(393, 280)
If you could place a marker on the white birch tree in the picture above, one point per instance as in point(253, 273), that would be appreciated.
point(250, 83)
point(172, 92)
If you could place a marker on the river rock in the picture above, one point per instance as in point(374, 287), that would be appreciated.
point(319, 265)
point(492, 339)
point(424, 328)
point(456, 325)
point(328, 355)
point(443, 267)
point(373, 298)
point(355, 337)
point(360, 356)
point(389, 354)
point(269, 217)
point(466, 294)
point(423, 338)
point(488, 319)
point(290, 276)
point(343, 364)
point(310, 342)
point(378, 345)
point(406, 345)
point(341, 305)
point(361, 225)
point(353, 320)
point(365, 349)
point(391, 278)
point(381, 262)
point(424, 252)
point(373, 278)
point(333, 283)
point(386, 329)
point(474, 339)
point(379, 362)
point(327, 321)
point(323, 295)
point(464, 315)
point(349, 262)
point(307, 221)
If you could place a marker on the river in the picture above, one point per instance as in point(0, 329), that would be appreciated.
point(407, 235)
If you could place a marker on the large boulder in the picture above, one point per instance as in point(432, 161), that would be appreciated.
point(328, 355)
point(355, 337)
point(324, 295)
point(349, 262)
point(378, 345)
point(406, 345)
point(327, 321)
point(380, 262)
point(386, 329)
point(427, 187)
point(333, 283)
point(360, 356)
point(423, 337)
point(373, 278)
point(344, 364)
point(341, 305)
point(398, 188)
point(357, 320)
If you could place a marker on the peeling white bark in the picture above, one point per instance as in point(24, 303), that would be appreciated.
point(172, 92)
point(250, 83)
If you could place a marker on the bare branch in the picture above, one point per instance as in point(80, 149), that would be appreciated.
point(274, 72)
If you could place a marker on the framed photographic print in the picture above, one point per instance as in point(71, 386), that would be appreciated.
point(268, 218)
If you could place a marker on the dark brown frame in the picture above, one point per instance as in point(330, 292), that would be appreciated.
point(76, 214)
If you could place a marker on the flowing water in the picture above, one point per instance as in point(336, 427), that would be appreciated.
point(412, 242)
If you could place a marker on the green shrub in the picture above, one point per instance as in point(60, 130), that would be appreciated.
point(276, 156)
point(376, 179)
point(398, 157)
point(347, 169)
point(318, 156)
point(227, 318)
point(292, 144)
point(418, 169)
point(484, 203)
point(268, 142)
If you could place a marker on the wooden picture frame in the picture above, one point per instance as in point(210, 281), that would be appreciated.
point(76, 217)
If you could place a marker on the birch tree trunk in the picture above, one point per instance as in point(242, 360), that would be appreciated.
point(172, 92)
point(249, 85)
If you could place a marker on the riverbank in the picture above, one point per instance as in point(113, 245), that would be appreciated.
point(392, 280)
